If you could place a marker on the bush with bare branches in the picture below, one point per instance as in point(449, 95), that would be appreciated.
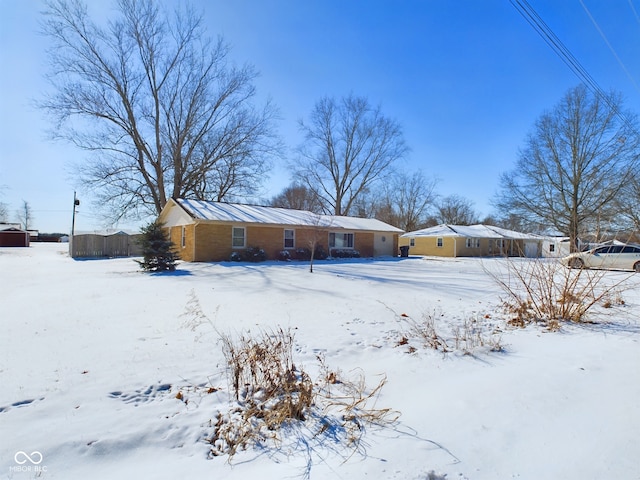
point(472, 335)
point(425, 332)
point(273, 395)
point(544, 291)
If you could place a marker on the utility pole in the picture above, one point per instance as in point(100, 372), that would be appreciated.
point(76, 202)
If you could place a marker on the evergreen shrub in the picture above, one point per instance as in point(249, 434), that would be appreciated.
point(158, 251)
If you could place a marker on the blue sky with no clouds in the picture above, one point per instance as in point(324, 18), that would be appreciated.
point(466, 79)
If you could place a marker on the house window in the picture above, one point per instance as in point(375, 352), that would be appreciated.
point(340, 240)
point(473, 243)
point(439, 242)
point(238, 237)
point(183, 237)
point(552, 248)
point(412, 242)
point(289, 238)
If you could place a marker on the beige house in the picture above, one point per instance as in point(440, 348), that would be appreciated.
point(212, 231)
point(471, 241)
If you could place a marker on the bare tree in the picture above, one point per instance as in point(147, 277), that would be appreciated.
point(4, 213)
point(574, 164)
point(297, 197)
point(456, 210)
point(349, 146)
point(512, 222)
point(403, 201)
point(318, 231)
point(628, 203)
point(413, 195)
point(370, 202)
point(4, 210)
point(25, 215)
point(158, 105)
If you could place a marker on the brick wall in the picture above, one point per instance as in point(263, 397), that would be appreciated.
point(363, 242)
point(214, 241)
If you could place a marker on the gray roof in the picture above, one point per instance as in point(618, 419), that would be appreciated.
point(235, 212)
point(471, 231)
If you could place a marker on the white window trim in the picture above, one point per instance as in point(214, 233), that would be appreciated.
point(284, 239)
point(472, 242)
point(244, 237)
point(353, 240)
point(439, 242)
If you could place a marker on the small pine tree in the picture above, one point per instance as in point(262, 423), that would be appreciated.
point(158, 250)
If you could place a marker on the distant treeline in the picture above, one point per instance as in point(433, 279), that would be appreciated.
point(49, 237)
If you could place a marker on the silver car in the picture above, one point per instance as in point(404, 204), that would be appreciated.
point(612, 257)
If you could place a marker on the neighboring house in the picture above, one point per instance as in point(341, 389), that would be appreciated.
point(212, 231)
point(555, 247)
point(11, 235)
point(472, 241)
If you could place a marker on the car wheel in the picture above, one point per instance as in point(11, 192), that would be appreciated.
point(576, 263)
point(636, 267)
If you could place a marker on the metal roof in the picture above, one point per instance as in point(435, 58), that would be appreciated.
point(471, 231)
point(235, 212)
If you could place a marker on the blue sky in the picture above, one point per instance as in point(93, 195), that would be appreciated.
point(465, 79)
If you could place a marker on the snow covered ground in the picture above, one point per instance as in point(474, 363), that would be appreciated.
point(94, 353)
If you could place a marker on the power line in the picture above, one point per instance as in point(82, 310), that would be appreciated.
point(604, 37)
point(538, 24)
point(635, 13)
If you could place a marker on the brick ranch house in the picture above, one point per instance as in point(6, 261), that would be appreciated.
point(211, 231)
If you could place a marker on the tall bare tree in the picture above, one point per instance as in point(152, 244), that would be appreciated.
point(456, 210)
point(405, 200)
point(574, 164)
point(413, 195)
point(4, 213)
point(25, 215)
point(4, 210)
point(158, 105)
point(349, 146)
point(297, 197)
point(628, 203)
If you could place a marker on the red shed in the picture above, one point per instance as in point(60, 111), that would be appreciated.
point(14, 237)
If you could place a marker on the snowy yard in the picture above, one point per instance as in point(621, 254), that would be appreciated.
point(109, 373)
